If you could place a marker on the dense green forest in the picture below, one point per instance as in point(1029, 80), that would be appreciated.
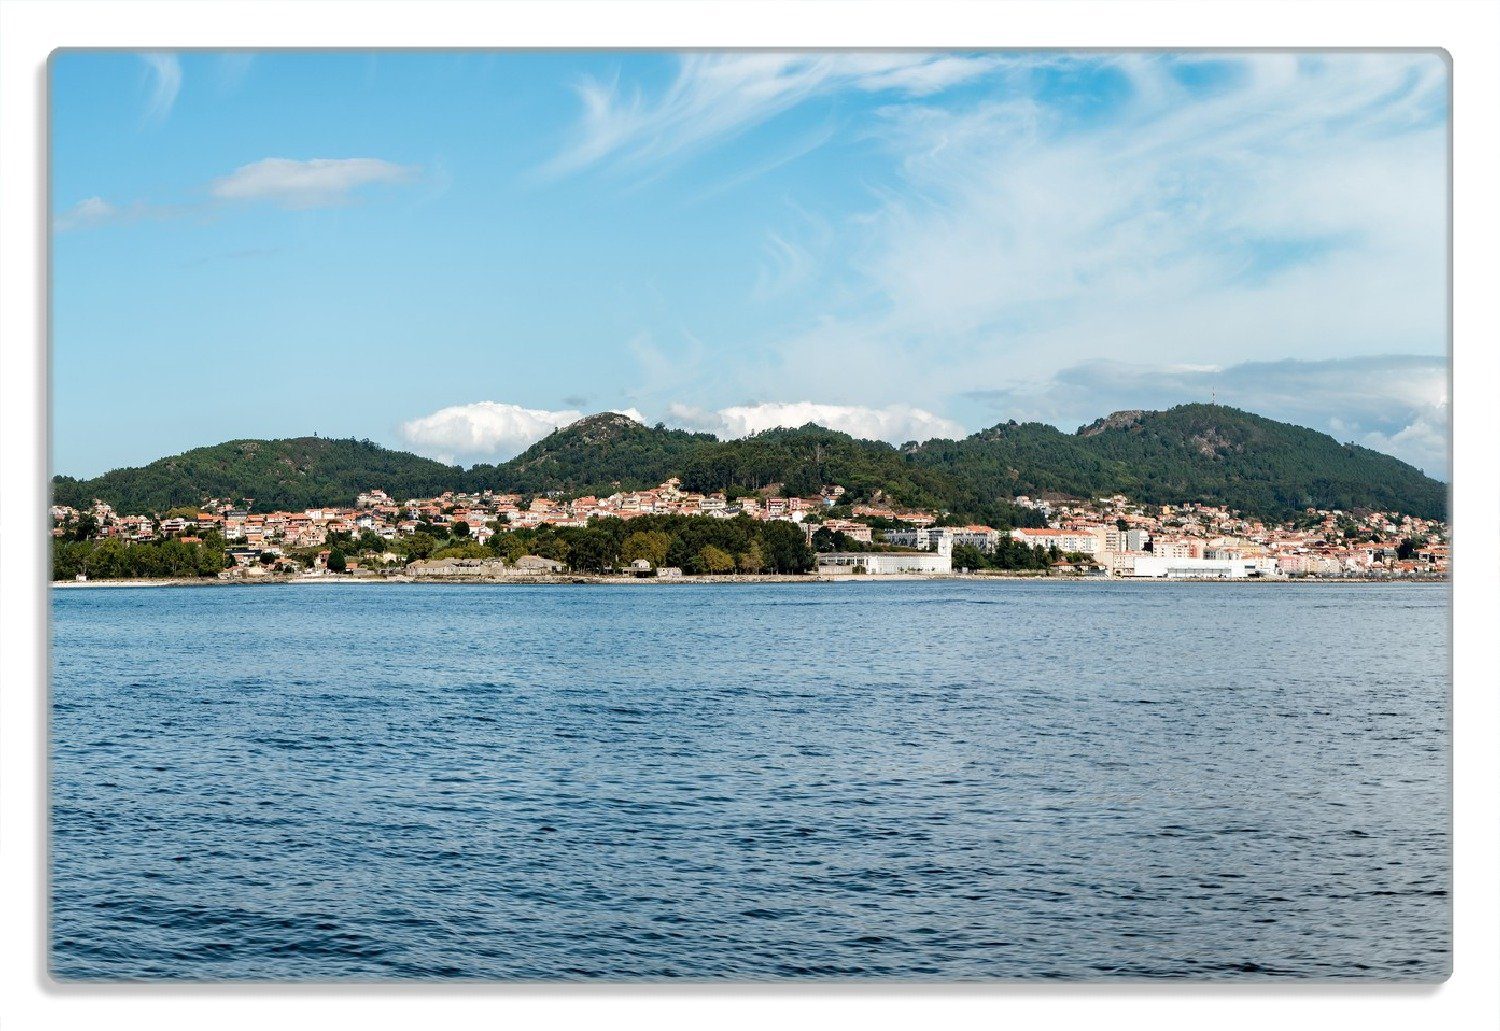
point(694, 544)
point(597, 455)
point(1204, 453)
point(113, 559)
point(303, 472)
point(1193, 452)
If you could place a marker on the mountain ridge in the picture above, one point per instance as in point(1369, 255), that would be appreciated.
point(1209, 453)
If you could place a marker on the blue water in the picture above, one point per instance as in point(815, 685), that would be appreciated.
point(907, 780)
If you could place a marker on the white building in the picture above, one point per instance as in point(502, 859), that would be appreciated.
point(982, 537)
point(1162, 567)
point(923, 538)
point(878, 563)
point(1086, 542)
point(1116, 539)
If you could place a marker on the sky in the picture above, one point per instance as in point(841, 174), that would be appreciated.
point(454, 253)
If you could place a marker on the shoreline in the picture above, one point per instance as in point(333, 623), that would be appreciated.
point(766, 578)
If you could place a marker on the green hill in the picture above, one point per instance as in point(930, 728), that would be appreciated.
point(599, 454)
point(303, 472)
point(1193, 452)
point(608, 452)
point(1190, 453)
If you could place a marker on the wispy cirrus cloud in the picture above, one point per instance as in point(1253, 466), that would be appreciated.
point(715, 97)
point(312, 183)
point(231, 69)
point(1298, 175)
point(164, 75)
point(793, 256)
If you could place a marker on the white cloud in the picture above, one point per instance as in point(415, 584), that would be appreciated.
point(487, 430)
point(307, 184)
point(90, 211)
point(165, 72)
point(717, 96)
point(291, 184)
point(1397, 404)
point(894, 423)
point(482, 431)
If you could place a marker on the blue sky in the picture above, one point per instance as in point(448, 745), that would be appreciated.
point(452, 253)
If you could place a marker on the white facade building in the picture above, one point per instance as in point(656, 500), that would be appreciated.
point(878, 563)
point(1086, 542)
point(925, 538)
point(1162, 567)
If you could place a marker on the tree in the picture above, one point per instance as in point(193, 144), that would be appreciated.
point(592, 550)
point(417, 546)
point(713, 560)
point(553, 547)
point(463, 549)
point(460, 529)
point(966, 556)
point(652, 546)
point(336, 561)
point(785, 547)
point(751, 560)
point(509, 546)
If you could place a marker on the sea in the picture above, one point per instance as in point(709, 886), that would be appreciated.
point(952, 780)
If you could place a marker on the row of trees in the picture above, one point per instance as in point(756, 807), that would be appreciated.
point(695, 544)
point(113, 559)
point(1008, 554)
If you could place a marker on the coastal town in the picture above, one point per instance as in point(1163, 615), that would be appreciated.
point(485, 536)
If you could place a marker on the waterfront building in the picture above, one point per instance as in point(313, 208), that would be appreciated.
point(1174, 568)
point(881, 563)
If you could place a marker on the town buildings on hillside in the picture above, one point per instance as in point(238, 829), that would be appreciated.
point(1111, 536)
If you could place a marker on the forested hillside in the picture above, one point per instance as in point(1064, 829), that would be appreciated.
point(290, 474)
point(599, 454)
point(1191, 453)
